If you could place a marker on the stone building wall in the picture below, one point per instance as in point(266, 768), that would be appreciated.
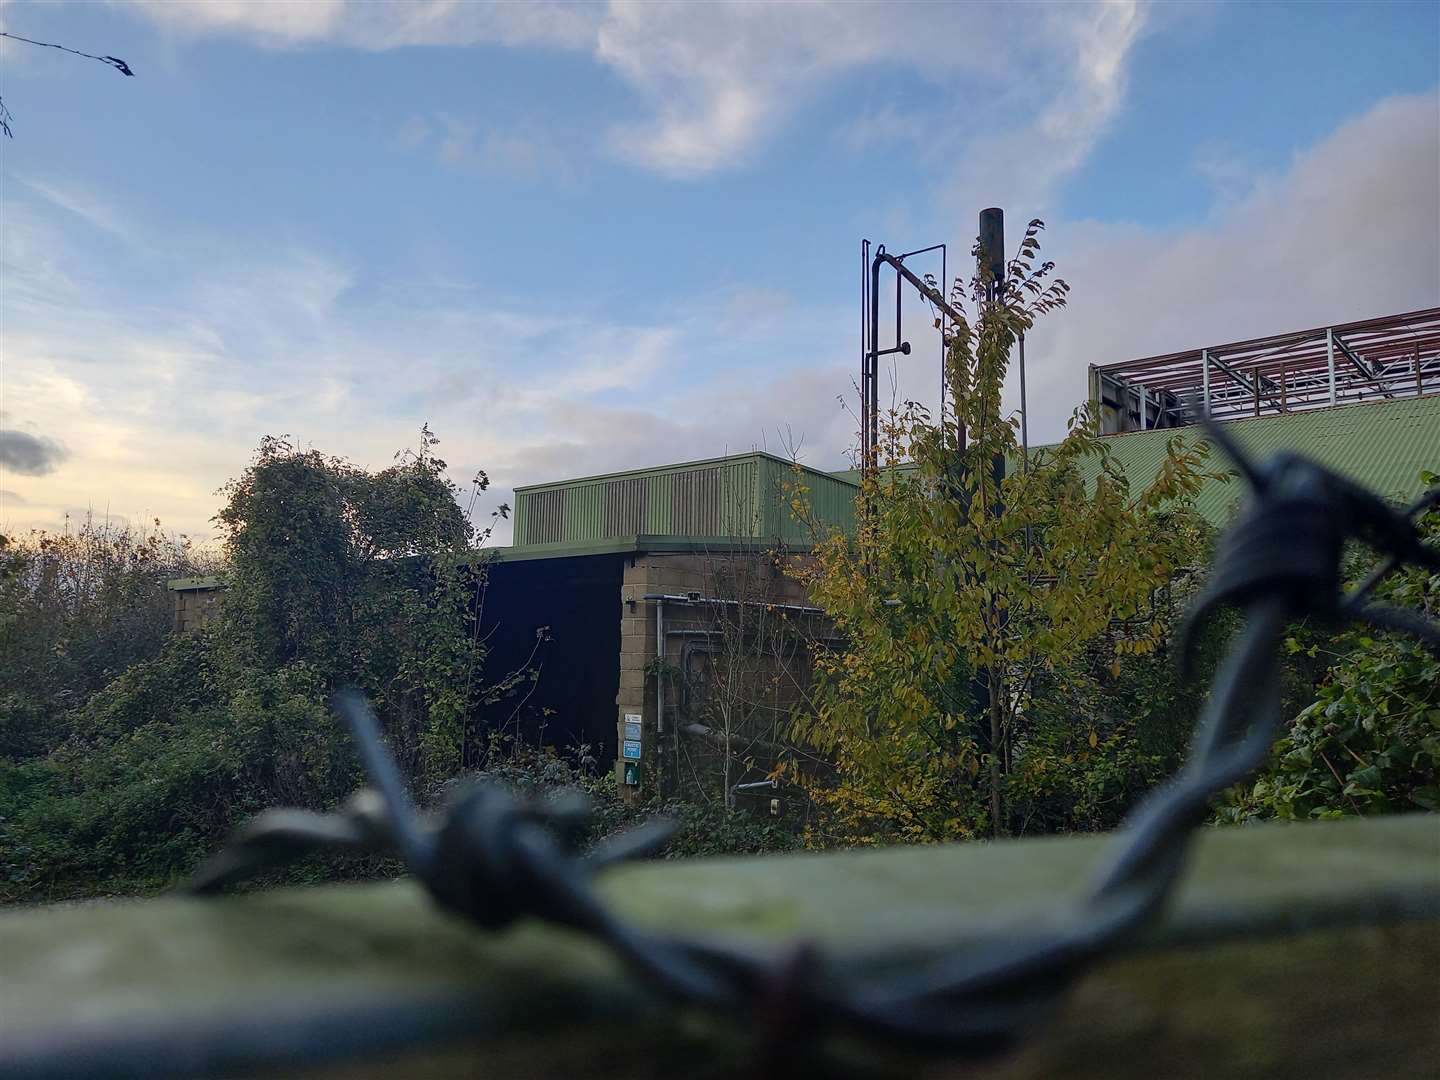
point(197, 602)
point(746, 628)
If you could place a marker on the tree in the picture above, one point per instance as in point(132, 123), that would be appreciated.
point(964, 591)
point(366, 579)
point(78, 607)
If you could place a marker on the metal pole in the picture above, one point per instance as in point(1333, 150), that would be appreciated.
point(944, 350)
point(1330, 361)
point(1205, 379)
point(864, 349)
point(659, 671)
point(1024, 413)
point(1141, 388)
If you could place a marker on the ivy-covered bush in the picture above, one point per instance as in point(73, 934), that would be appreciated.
point(77, 608)
point(1370, 741)
point(337, 576)
point(703, 827)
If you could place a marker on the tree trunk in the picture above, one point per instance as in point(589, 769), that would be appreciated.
point(996, 695)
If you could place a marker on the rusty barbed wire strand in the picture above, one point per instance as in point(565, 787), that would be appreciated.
point(493, 857)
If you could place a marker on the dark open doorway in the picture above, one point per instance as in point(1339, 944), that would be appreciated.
point(573, 701)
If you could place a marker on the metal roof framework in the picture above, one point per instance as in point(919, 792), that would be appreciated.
point(1385, 358)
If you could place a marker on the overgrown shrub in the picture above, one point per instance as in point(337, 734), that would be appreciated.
point(703, 827)
point(77, 608)
point(337, 577)
point(1370, 741)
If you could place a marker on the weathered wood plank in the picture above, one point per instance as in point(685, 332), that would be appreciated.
point(197, 986)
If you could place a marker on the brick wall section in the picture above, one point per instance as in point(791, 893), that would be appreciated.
point(757, 574)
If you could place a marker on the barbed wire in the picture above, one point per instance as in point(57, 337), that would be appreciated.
point(494, 857)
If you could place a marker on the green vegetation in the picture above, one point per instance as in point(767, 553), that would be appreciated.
point(1369, 743)
point(1004, 666)
point(999, 662)
point(997, 674)
point(77, 609)
point(337, 576)
point(129, 752)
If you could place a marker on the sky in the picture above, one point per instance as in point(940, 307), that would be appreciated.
point(574, 238)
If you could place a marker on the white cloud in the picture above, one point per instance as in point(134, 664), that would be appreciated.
point(369, 25)
point(1049, 128)
point(721, 79)
point(1350, 229)
point(274, 23)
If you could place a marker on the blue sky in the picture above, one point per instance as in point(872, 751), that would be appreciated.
point(573, 238)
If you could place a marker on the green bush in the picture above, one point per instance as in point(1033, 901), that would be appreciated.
point(337, 577)
point(702, 828)
point(1370, 741)
point(77, 608)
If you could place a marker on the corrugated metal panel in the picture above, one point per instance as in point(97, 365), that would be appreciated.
point(1383, 445)
point(660, 495)
point(831, 498)
point(736, 497)
point(625, 505)
point(545, 518)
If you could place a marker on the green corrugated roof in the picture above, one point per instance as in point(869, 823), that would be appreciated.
point(1381, 444)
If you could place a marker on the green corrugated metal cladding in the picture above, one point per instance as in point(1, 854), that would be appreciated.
point(1383, 445)
point(746, 496)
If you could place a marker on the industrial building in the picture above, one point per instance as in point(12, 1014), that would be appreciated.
point(642, 580)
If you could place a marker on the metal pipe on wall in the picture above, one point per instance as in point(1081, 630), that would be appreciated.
point(661, 634)
point(660, 658)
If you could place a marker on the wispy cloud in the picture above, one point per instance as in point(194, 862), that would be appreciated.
point(720, 80)
point(369, 25)
point(81, 200)
point(883, 126)
point(1050, 129)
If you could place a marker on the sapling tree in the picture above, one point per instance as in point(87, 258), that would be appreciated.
point(969, 578)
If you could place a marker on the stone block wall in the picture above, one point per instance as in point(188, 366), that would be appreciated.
point(197, 602)
point(748, 580)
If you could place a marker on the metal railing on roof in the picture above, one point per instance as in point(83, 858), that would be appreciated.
point(1384, 358)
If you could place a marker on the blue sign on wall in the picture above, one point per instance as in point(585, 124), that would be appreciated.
point(631, 750)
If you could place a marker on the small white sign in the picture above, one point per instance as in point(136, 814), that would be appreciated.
point(632, 717)
point(631, 750)
point(632, 729)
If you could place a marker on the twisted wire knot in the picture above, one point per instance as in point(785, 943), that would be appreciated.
point(1288, 544)
point(483, 859)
